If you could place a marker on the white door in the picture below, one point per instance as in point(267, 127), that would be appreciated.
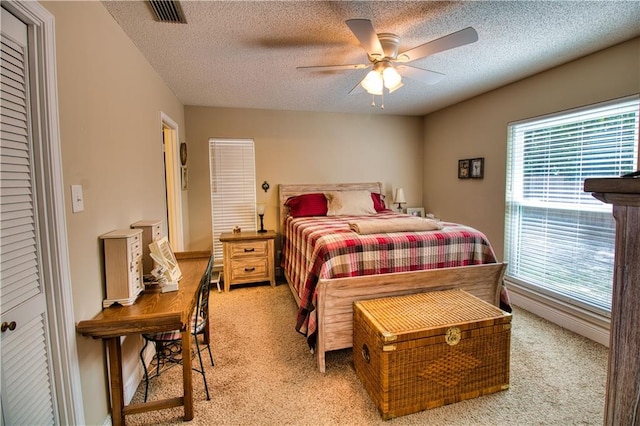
point(26, 391)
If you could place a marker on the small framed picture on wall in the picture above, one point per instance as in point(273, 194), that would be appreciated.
point(463, 169)
point(477, 168)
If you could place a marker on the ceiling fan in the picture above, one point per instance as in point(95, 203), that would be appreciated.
point(388, 65)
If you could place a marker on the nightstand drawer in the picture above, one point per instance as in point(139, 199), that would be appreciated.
point(250, 270)
point(245, 249)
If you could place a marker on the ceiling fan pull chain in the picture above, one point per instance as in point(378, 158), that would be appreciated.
point(373, 101)
point(382, 97)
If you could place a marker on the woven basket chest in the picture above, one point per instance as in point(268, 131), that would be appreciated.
point(426, 350)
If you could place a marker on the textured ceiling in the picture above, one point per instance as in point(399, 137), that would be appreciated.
point(244, 54)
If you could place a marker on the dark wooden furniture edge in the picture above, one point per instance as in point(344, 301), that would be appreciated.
point(623, 373)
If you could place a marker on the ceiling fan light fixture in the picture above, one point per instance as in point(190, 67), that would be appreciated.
point(383, 75)
point(373, 83)
point(392, 80)
point(382, 52)
point(393, 89)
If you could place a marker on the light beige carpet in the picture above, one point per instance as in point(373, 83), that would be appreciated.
point(265, 375)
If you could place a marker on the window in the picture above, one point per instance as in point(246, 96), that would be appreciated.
point(233, 188)
point(558, 238)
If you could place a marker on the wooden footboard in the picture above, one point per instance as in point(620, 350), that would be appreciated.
point(336, 296)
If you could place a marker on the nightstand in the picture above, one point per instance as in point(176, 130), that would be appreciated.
point(248, 257)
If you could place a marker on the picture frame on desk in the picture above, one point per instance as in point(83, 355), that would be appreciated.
point(161, 252)
point(416, 211)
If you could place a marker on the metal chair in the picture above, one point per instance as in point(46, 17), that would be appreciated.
point(168, 344)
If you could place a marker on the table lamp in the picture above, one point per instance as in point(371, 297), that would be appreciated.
point(399, 199)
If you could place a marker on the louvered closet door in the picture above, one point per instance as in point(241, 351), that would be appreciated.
point(26, 385)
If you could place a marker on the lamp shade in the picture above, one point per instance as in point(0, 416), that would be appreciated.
point(372, 83)
point(392, 79)
point(399, 196)
point(261, 208)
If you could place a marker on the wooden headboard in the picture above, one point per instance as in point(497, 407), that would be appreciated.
point(286, 191)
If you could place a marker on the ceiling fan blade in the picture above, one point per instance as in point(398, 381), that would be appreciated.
point(358, 88)
point(366, 35)
point(334, 67)
point(425, 76)
point(457, 39)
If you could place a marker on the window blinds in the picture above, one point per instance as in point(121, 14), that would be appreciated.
point(233, 188)
point(559, 238)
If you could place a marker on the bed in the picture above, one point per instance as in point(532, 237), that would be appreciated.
point(329, 262)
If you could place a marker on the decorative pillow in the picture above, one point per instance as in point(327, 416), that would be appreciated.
point(307, 205)
point(378, 201)
point(351, 203)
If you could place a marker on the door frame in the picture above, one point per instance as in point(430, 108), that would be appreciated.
point(173, 185)
point(55, 254)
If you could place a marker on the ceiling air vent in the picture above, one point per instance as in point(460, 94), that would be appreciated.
point(167, 11)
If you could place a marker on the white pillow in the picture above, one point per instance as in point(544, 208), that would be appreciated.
point(351, 203)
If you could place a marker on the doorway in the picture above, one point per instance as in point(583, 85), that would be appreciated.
point(173, 185)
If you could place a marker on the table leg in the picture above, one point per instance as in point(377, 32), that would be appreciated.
point(186, 373)
point(115, 375)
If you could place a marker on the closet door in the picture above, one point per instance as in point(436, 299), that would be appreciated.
point(26, 392)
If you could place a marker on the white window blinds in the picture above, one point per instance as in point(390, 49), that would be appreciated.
point(559, 238)
point(233, 188)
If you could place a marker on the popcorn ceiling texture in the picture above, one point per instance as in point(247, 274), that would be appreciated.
point(244, 54)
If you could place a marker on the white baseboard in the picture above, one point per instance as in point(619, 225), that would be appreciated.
point(580, 321)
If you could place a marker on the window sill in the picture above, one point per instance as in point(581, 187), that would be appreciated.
point(588, 324)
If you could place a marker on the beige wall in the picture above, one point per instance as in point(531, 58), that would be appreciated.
point(110, 101)
point(478, 128)
point(303, 147)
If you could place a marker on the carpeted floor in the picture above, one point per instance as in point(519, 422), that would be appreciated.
point(265, 375)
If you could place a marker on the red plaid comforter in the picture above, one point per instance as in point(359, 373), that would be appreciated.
point(324, 247)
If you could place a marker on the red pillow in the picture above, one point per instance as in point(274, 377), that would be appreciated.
point(307, 205)
point(378, 201)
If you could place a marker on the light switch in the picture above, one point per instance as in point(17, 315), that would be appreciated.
point(77, 200)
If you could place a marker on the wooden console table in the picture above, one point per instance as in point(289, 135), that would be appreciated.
point(623, 376)
point(151, 312)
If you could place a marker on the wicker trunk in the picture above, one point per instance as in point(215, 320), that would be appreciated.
point(426, 350)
